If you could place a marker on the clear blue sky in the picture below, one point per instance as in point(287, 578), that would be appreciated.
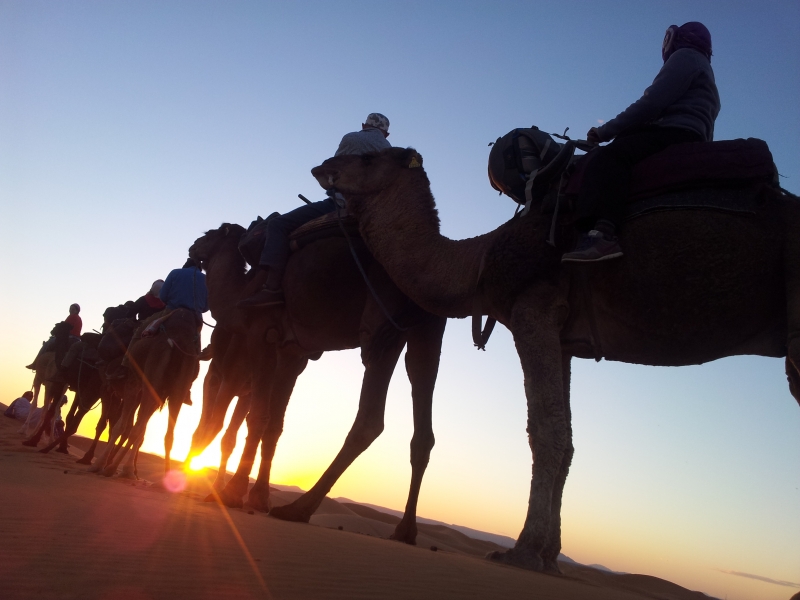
point(127, 129)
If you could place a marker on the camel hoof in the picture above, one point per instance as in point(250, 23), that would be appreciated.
point(30, 443)
point(518, 558)
point(127, 474)
point(290, 512)
point(258, 500)
point(62, 450)
point(44, 450)
point(109, 471)
point(231, 499)
point(405, 534)
point(86, 460)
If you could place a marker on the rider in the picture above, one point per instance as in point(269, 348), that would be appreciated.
point(371, 138)
point(680, 106)
point(75, 333)
point(186, 288)
point(150, 303)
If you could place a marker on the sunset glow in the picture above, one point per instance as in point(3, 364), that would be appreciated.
point(127, 130)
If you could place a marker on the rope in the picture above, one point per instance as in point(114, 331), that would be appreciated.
point(174, 344)
point(364, 275)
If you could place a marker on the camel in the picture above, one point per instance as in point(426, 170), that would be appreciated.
point(163, 368)
point(328, 307)
point(117, 335)
point(80, 370)
point(693, 286)
point(48, 374)
point(228, 376)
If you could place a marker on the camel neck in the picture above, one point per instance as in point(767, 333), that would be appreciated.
point(226, 281)
point(400, 226)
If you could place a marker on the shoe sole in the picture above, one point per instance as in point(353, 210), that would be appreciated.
point(590, 260)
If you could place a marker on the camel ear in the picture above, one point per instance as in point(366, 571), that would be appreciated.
point(412, 159)
point(227, 230)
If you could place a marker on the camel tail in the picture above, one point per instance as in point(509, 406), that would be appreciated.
point(792, 277)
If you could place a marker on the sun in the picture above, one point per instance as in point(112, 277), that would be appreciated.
point(195, 465)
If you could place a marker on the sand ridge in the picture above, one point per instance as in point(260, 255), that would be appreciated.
point(68, 534)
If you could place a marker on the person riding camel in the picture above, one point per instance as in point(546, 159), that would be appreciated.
point(680, 106)
point(186, 288)
point(274, 256)
point(72, 319)
point(150, 303)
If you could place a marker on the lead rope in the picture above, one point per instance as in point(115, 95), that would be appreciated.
point(372, 291)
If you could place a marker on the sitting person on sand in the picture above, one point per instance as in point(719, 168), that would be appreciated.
point(20, 407)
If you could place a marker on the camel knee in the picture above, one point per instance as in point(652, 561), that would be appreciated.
point(364, 434)
point(421, 446)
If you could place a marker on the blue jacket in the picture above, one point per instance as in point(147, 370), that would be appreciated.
point(185, 288)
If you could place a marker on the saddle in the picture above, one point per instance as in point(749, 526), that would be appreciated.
point(728, 164)
point(727, 176)
point(324, 227)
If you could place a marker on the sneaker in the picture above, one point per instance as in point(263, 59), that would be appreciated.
point(594, 247)
point(262, 298)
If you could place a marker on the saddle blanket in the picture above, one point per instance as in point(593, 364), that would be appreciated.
point(728, 163)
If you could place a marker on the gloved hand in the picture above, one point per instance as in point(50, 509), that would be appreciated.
point(592, 136)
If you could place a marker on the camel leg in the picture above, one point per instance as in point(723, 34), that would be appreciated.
point(47, 417)
point(228, 390)
point(174, 407)
point(228, 442)
point(105, 409)
point(535, 323)
point(135, 440)
point(366, 428)
point(119, 430)
point(422, 366)
point(264, 361)
point(286, 376)
point(211, 385)
point(72, 423)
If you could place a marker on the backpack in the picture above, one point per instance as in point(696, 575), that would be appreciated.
point(252, 241)
point(516, 158)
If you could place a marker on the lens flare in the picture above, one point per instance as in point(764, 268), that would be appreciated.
point(175, 481)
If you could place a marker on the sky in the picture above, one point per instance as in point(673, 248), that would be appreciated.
point(128, 129)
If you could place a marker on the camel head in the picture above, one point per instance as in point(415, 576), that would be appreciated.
point(368, 174)
point(214, 240)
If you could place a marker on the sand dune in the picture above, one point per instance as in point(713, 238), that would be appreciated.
point(69, 534)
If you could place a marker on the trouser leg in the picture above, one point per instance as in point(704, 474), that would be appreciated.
point(607, 178)
point(275, 254)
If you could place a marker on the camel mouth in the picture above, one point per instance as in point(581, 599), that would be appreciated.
point(325, 176)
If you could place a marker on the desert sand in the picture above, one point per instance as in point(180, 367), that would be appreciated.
point(66, 533)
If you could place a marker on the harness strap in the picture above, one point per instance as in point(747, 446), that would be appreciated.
point(363, 272)
point(586, 295)
point(481, 337)
point(529, 191)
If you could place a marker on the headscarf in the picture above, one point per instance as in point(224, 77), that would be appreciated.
point(156, 287)
point(689, 35)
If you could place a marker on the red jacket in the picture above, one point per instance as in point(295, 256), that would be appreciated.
point(76, 323)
